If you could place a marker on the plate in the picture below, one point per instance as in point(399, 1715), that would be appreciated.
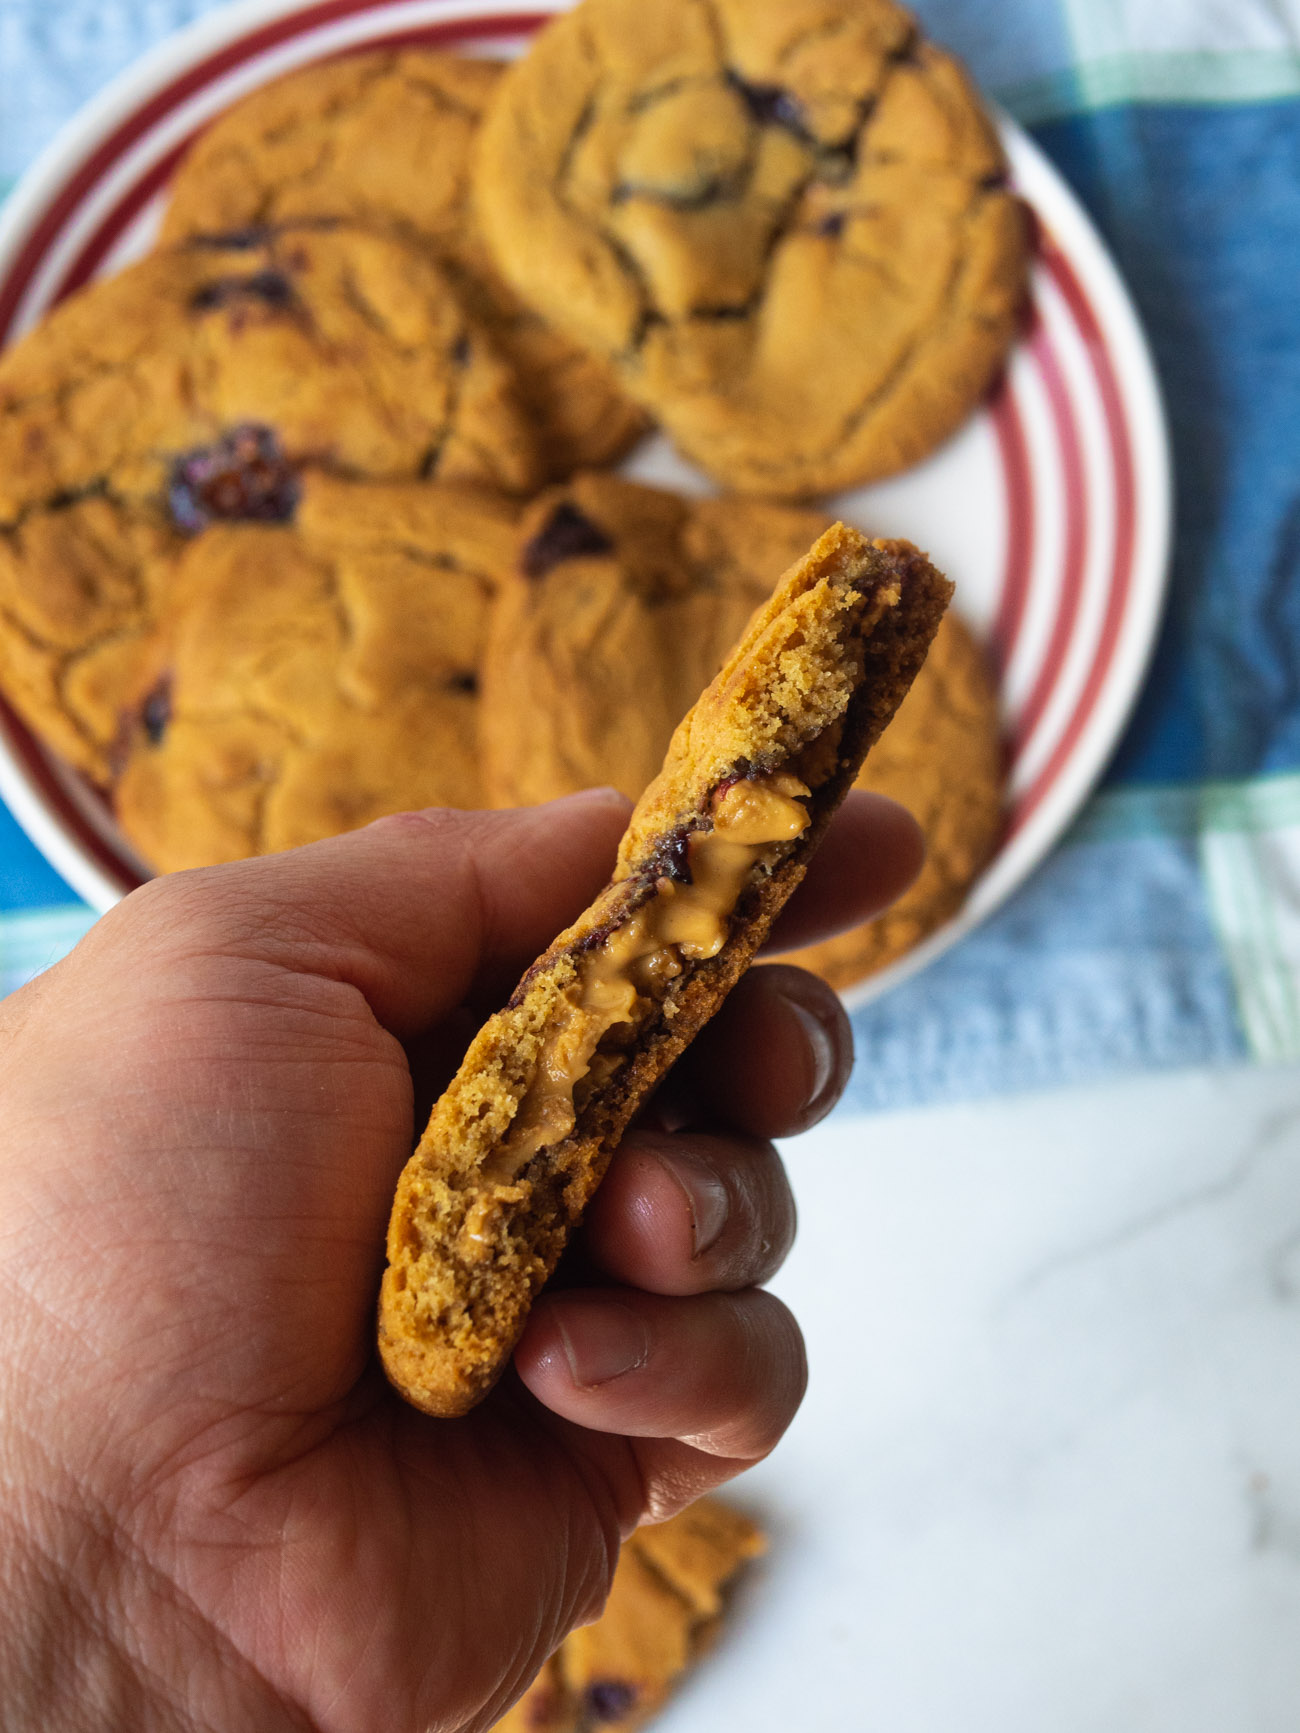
point(1050, 509)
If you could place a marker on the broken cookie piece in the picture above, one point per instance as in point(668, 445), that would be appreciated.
point(663, 1607)
point(716, 845)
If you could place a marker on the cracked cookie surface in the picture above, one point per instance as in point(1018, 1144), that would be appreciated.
point(386, 139)
point(193, 389)
point(942, 758)
point(623, 603)
point(786, 224)
point(718, 842)
point(305, 679)
point(666, 1598)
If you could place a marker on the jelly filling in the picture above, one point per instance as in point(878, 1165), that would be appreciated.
point(244, 477)
point(566, 535)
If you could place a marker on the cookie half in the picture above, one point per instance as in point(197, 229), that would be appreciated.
point(786, 225)
point(718, 842)
point(193, 390)
point(622, 604)
point(307, 678)
point(385, 140)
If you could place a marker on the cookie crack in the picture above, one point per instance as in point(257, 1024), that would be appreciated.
point(720, 191)
point(642, 101)
point(649, 314)
point(65, 503)
point(342, 613)
point(33, 639)
point(62, 662)
point(246, 712)
point(324, 165)
point(367, 312)
point(433, 455)
point(294, 125)
point(582, 126)
point(445, 100)
point(62, 500)
point(904, 362)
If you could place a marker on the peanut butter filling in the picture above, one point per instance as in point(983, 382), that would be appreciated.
point(682, 923)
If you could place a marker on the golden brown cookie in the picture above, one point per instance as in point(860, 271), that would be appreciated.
point(308, 678)
point(785, 223)
point(716, 845)
point(663, 1605)
point(942, 758)
point(623, 604)
point(545, 1706)
point(385, 139)
point(193, 389)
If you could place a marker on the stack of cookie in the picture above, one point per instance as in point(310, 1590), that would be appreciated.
point(307, 516)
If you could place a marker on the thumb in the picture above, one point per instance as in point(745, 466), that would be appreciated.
point(418, 911)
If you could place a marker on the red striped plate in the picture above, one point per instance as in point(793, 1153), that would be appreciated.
point(1051, 509)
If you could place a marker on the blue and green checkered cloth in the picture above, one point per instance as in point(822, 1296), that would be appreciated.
point(1166, 931)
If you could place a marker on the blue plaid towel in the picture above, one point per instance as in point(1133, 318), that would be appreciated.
point(1166, 930)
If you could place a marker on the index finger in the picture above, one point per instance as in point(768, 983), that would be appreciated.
point(872, 851)
point(419, 912)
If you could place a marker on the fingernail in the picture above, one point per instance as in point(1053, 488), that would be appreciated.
point(821, 1046)
point(707, 1198)
point(601, 1342)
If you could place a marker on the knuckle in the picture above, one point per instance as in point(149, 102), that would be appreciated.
point(163, 907)
point(197, 909)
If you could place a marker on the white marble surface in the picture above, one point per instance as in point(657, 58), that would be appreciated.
point(1047, 1477)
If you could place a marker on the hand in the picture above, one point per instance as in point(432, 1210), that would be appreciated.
point(214, 1513)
